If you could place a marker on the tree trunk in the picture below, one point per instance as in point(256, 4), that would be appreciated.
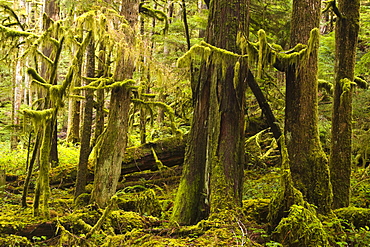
point(346, 33)
point(52, 10)
point(189, 205)
point(225, 152)
point(213, 166)
point(112, 144)
point(85, 149)
point(309, 165)
point(42, 190)
point(102, 68)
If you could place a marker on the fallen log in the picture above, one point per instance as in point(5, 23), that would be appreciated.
point(170, 152)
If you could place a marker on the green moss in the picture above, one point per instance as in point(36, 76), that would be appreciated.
point(256, 209)
point(12, 33)
point(301, 228)
point(147, 203)
point(361, 83)
point(220, 57)
point(359, 217)
point(326, 85)
point(38, 79)
point(154, 13)
point(14, 240)
point(39, 118)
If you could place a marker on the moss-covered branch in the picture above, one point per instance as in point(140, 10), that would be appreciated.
point(12, 14)
point(154, 13)
point(331, 4)
point(361, 83)
point(12, 33)
point(326, 85)
point(37, 78)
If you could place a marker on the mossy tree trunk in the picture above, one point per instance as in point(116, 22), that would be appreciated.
point(73, 126)
point(42, 189)
point(52, 11)
point(346, 34)
point(213, 166)
point(85, 148)
point(189, 205)
point(102, 72)
point(309, 166)
point(112, 143)
point(225, 151)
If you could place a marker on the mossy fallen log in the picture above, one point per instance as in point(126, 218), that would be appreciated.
point(169, 151)
point(45, 229)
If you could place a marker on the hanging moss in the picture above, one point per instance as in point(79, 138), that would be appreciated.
point(266, 54)
point(205, 51)
point(38, 118)
point(236, 75)
point(326, 85)
point(56, 95)
point(154, 13)
point(361, 83)
point(149, 104)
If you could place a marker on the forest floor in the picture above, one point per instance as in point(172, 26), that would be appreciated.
point(141, 211)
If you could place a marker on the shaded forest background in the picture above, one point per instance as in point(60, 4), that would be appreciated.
point(78, 46)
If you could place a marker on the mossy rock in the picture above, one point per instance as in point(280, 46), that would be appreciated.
point(145, 203)
point(301, 228)
point(256, 209)
point(359, 217)
point(80, 221)
point(123, 221)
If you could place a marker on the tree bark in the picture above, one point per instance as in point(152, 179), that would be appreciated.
point(189, 205)
point(112, 144)
point(264, 105)
point(213, 166)
point(85, 148)
point(309, 165)
point(102, 68)
point(52, 10)
point(346, 35)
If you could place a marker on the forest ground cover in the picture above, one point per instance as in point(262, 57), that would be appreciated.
point(140, 214)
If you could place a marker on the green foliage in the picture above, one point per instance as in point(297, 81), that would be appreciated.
point(363, 66)
point(273, 17)
point(327, 57)
point(261, 183)
point(13, 161)
point(358, 217)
